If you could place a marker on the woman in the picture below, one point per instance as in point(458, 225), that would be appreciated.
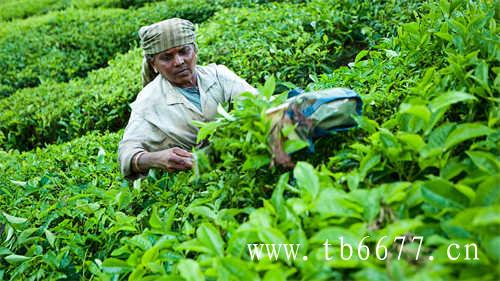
point(176, 91)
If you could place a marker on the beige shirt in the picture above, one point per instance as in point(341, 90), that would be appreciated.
point(162, 117)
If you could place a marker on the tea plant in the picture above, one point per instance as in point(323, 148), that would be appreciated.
point(325, 35)
point(423, 163)
point(58, 112)
point(77, 41)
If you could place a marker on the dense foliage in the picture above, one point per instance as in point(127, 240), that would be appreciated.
point(24, 8)
point(58, 112)
point(423, 162)
point(325, 35)
point(76, 41)
point(18, 9)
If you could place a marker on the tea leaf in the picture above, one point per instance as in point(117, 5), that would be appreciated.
point(210, 237)
point(448, 99)
point(465, 132)
point(443, 194)
point(190, 270)
point(113, 266)
point(51, 238)
point(15, 259)
point(13, 219)
point(485, 161)
point(307, 180)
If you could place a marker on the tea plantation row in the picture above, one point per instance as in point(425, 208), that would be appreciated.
point(58, 112)
point(424, 162)
point(76, 41)
point(430, 168)
point(18, 9)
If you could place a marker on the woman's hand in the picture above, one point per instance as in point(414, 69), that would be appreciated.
point(172, 159)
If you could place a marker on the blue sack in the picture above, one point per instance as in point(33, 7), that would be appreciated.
point(313, 114)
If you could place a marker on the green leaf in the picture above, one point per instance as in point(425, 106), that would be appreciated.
point(150, 255)
point(15, 259)
point(333, 234)
point(449, 98)
point(194, 245)
point(366, 124)
point(353, 179)
point(271, 236)
point(202, 211)
point(116, 266)
point(466, 190)
point(307, 179)
point(277, 196)
point(276, 274)
point(294, 145)
point(492, 246)
point(170, 214)
point(487, 216)
point(190, 270)
point(256, 162)
point(418, 110)
point(443, 194)
point(389, 143)
point(413, 141)
point(369, 199)
point(206, 129)
point(361, 55)
point(368, 162)
point(488, 192)
point(437, 139)
point(268, 89)
point(154, 219)
point(372, 273)
point(19, 183)
point(140, 242)
point(335, 202)
point(465, 132)
point(51, 238)
point(25, 235)
point(452, 169)
point(10, 233)
point(481, 74)
point(209, 236)
point(395, 191)
point(4, 251)
point(224, 113)
point(238, 269)
point(446, 36)
point(14, 220)
point(485, 161)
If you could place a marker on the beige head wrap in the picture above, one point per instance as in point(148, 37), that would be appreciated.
point(162, 36)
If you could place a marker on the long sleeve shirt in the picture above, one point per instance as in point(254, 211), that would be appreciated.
point(161, 117)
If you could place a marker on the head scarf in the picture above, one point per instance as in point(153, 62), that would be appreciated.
point(162, 36)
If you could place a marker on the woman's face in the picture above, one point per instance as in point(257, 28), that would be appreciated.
point(177, 65)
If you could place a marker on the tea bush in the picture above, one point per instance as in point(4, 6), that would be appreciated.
point(77, 41)
point(58, 112)
point(56, 188)
point(326, 35)
point(429, 168)
point(19, 9)
point(23, 8)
